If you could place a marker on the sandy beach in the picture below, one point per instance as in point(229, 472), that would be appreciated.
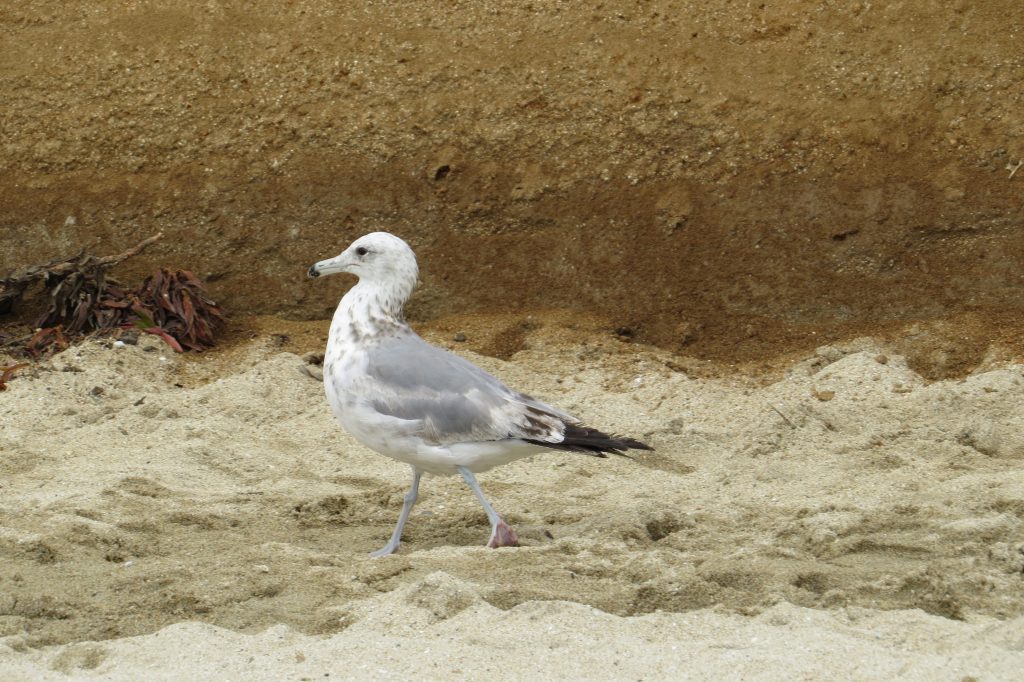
point(188, 517)
point(780, 242)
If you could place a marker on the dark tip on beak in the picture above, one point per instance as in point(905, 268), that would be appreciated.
point(312, 271)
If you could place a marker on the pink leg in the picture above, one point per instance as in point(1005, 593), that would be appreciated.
point(503, 536)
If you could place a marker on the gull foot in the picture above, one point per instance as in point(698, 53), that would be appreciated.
point(503, 536)
point(384, 551)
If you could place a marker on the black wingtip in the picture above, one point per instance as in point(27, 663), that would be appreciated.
point(593, 442)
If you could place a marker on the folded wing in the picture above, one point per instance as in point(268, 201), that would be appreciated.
point(454, 400)
point(451, 400)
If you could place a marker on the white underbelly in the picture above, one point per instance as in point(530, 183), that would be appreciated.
point(398, 439)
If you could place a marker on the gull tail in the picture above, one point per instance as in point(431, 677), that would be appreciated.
point(592, 442)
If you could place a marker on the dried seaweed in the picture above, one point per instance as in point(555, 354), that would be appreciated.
point(7, 372)
point(175, 304)
point(83, 299)
point(47, 340)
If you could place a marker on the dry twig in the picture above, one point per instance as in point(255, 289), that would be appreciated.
point(784, 417)
point(65, 278)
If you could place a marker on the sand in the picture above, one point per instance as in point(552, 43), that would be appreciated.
point(196, 517)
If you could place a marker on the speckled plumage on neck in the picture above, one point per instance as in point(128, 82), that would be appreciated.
point(373, 308)
point(369, 311)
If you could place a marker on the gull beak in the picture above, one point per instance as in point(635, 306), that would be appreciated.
point(330, 266)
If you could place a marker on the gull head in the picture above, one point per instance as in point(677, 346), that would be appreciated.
point(378, 258)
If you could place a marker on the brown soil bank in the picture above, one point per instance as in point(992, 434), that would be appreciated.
point(733, 178)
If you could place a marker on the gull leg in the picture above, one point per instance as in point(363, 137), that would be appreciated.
point(410, 500)
point(502, 534)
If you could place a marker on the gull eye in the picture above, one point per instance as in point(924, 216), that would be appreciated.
point(361, 251)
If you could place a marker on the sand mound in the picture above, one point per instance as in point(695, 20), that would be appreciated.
point(439, 627)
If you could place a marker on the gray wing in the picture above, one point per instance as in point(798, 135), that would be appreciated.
point(452, 399)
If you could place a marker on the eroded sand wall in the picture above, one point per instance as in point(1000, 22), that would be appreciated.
point(713, 174)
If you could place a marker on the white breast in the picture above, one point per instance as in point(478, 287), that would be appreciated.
point(344, 371)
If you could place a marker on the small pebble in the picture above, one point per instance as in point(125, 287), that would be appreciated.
point(460, 337)
point(823, 396)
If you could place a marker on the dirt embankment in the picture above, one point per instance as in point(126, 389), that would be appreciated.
point(730, 180)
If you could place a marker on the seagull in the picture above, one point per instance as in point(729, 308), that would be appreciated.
point(422, 405)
